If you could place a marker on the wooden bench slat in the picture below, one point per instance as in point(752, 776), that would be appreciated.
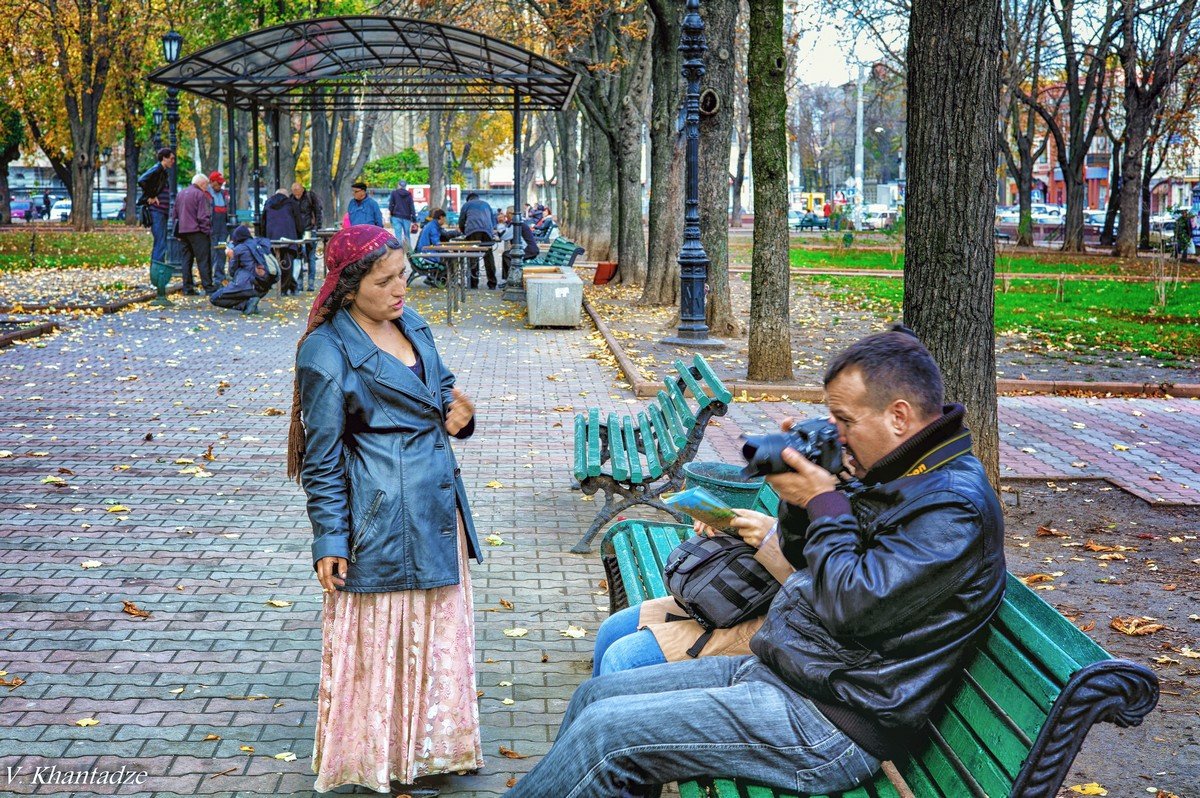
point(1036, 644)
point(715, 386)
point(663, 434)
point(616, 448)
point(1081, 648)
point(650, 447)
point(671, 413)
point(627, 561)
point(975, 757)
point(917, 778)
point(593, 443)
point(1006, 746)
point(645, 554)
point(692, 789)
point(679, 402)
point(1025, 674)
point(631, 451)
point(989, 678)
point(702, 397)
point(883, 786)
point(767, 501)
point(664, 539)
point(581, 469)
point(948, 781)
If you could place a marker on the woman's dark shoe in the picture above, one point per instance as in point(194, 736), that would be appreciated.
point(400, 790)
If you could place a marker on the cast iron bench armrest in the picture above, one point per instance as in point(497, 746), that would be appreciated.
point(1012, 727)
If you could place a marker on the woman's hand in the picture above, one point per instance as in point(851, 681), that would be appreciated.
point(331, 572)
point(460, 413)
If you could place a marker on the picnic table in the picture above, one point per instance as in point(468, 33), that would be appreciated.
point(455, 255)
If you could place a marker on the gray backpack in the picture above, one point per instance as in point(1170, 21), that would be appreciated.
point(718, 583)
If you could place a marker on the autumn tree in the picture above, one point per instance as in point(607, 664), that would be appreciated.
point(953, 61)
point(770, 280)
point(1156, 42)
point(11, 138)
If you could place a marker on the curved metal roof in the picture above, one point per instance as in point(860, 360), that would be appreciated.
point(365, 62)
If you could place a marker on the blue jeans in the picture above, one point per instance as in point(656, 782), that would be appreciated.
point(402, 229)
point(158, 229)
point(311, 249)
point(727, 716)
point(620, 646)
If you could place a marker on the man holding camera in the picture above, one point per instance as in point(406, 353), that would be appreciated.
point(896, 574)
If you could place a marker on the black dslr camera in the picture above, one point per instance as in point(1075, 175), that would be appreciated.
point(816, 440)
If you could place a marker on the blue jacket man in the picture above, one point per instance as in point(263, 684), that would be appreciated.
point(403, 211)
point(363, 209)
point(477, 220)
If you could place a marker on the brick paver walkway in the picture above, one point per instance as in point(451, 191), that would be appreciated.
point(124, 409)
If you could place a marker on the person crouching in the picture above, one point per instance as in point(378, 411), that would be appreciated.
point(251, 279)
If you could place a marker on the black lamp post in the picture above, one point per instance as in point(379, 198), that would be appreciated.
point(172, 42)
point(157, 116)
point(160, 273)
point(693, 260)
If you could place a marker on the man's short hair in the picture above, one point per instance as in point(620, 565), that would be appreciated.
point(198, 179)
point(165, 152)
point(472, 195)
point(359, 184)
point(894, 365)
point(402, 184)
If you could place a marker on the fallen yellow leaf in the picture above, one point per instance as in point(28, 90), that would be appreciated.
point(117, 508)
point(1091, 788)
point(495, 483)
point(572, 631)
point(279, 603)
point(516, 632)
point(494, 540)
point(286, 756)
point(87, 722)
point(1136, 626)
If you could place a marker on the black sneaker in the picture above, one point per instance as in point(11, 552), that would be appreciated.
point(251, 306)
point(190, 292)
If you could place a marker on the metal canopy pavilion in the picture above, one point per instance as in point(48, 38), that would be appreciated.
point(361, 63)
point(364, 62)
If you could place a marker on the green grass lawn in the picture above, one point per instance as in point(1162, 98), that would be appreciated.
point(834, 258)
point(60, 248)
point(1103, 313)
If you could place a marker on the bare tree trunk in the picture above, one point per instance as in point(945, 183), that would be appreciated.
point(242, 168)
point(665, 223)
point(1115, 189)
point(436, 159)
point(602, 176)
point(1137, 123)
point(770, 281)
point(949, 293)
point(631, 243)
point(567, 152)
point(585, 192)
point(720, 29)
point(1073, 224)
point(132, 154)
point(1144, 184)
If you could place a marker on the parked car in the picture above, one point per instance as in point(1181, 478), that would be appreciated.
point(1162, 232)
point(23, 210)
point(110, 208)
point(807, 220)
point(60, 211)
point(878, 218)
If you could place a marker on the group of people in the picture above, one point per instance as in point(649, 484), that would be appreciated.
point(200, 217)
point(889, 572)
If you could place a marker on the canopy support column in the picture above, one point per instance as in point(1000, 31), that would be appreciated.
point(255, 171)
point(275, 149)
point(514, 286)
point(231, 176)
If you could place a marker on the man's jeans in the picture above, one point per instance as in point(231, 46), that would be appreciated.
point(621, 647)
point(724, 716)
point(311, 252)
point(403, 231)
point(158, 229)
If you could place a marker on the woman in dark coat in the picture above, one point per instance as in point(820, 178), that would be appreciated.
point(374, 413)
point(251, 280)
point(281, 219)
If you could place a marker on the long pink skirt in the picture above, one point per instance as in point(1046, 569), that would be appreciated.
point(397, 697)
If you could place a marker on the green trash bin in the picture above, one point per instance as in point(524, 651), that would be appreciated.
point(724, 481)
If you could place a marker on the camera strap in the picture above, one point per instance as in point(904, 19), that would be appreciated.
point(943, 453)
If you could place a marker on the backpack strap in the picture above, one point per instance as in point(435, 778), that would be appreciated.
point(699, 645)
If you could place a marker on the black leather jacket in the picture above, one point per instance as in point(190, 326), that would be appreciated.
point(893, 584)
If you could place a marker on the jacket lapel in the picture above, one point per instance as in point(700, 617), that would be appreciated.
point(386, 370)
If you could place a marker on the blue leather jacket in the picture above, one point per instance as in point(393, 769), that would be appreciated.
point(382, 482)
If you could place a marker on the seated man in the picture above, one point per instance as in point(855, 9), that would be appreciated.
point(893, 581)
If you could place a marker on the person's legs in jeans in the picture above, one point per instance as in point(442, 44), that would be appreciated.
point(311, 252)
point(620, 646)
point(158, 229)
point(489, 263)
point(714, 715)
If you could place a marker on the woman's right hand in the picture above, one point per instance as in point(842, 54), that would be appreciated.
point(331, 573)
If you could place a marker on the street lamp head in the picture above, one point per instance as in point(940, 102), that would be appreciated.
point(172, 42)
point(158, 117)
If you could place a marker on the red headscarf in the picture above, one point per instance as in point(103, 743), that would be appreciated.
point(347, 246)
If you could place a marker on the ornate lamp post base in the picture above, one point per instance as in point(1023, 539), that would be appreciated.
point(514, 287)
point(160, 278)
point(701, 340)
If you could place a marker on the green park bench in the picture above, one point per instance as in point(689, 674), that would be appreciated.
point(640, 458)
point(562, 253)
point(1013, 726)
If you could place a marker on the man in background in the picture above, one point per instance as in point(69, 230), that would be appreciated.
point(403, 212)
point(476, 221)
point(155, 188)
point(193, 226)
point(308, 214)
point(363, 209)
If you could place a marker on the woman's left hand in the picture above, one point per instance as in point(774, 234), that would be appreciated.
point(460, 413)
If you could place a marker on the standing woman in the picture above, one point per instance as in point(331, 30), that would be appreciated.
point(372, 417)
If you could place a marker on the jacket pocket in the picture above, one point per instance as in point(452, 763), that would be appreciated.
point(362, 533)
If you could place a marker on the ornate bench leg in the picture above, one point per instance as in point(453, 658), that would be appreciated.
point(612, 506)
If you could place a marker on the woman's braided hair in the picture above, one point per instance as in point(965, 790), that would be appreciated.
point(348, 282)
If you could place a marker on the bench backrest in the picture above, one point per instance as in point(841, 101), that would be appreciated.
point(1027, 697)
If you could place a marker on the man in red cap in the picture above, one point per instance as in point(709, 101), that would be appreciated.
point(220, 218)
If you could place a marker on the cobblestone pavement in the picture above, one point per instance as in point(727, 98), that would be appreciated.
point(109, 496)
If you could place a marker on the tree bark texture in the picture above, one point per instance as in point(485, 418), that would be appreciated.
point(949, 296)
point(770, 323)
point(132, 155)
point(567, 153)
point(716, 128)
point(436, 160)
point(601, 177)
point(631, 243)
point(1108, 233)
point(665, 223)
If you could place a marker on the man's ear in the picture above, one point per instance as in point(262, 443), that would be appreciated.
point(901, 417)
